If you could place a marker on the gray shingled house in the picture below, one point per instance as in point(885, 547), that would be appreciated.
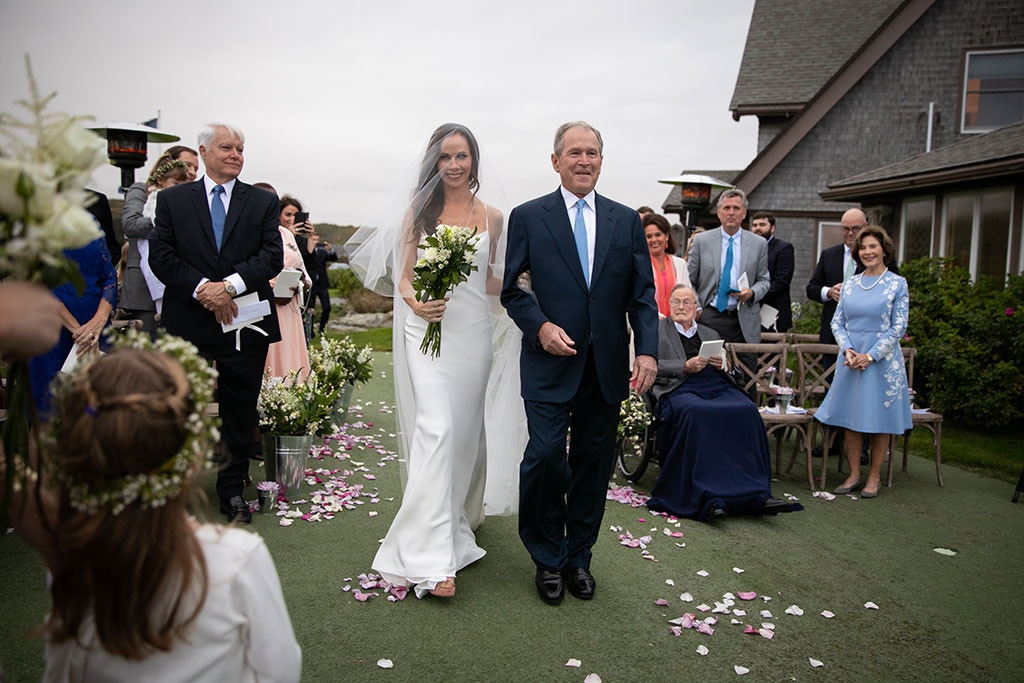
point(909, 109)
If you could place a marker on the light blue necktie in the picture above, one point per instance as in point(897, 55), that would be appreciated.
point(579, 231)
point(217, 213)
point(722, 304)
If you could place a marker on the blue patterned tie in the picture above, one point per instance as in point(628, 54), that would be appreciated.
point(579, 231)
point(217, 213)
point(722, 303)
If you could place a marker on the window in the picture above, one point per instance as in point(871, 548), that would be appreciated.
point(977, 231)
point(916, 232)
point(993, 90)
point(829, 235)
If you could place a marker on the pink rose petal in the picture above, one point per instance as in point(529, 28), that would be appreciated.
point(661, 602)
point(705, 628)
point(592, 678)
point(749, 630)
point(747, 595)
point(766, 633)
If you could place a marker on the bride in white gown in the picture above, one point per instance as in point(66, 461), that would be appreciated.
point(444, 403)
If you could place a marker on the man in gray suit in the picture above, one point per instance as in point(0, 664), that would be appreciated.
point(730, 310)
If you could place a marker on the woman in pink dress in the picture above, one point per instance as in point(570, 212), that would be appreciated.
point(290, 353)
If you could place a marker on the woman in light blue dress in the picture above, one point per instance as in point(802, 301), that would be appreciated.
point(869, 394)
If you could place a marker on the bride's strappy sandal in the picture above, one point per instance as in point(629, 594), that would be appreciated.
point(444, 589)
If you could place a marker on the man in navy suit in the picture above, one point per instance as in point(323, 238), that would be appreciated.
point(781, 263)
point(590, 270)
point(215, 239)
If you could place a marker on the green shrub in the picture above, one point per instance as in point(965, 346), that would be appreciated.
point(970, 342)
point(343, 281)
point(806, 317)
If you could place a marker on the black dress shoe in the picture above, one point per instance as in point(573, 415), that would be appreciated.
point(774, 506)
point(580, 582)
point(237, 510)
point(549, 586)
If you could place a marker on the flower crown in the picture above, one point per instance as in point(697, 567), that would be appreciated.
point(156, 488)
point(164, 169)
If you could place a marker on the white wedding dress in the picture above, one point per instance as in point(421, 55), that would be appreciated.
point(432, 537)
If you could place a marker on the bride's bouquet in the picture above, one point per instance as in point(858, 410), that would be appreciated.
point(447, 261)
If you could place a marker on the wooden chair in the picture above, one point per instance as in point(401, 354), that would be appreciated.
point(774, 337)
point(813, 382)
point(798, 338)
point(921, 418)
point(771, 357)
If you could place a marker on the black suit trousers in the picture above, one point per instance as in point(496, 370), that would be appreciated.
point(240, 375)
point(562, 498)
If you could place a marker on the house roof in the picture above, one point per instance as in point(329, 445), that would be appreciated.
point(992, 155)
point(838, 85)
point(794, 47)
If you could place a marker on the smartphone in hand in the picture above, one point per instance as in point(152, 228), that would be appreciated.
point(300, 218)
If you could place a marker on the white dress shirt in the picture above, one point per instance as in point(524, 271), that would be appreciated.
point(589, 219)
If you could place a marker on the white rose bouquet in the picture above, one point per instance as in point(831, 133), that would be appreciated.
point(45, 161)
point(446, 262)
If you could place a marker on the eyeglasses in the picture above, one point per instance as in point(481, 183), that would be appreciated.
point(856, 228)
point(680, 302)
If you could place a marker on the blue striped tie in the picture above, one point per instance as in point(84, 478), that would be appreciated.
point(218, 214)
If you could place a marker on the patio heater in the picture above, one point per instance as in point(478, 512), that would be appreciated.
point(695, 196)
point(126, 146)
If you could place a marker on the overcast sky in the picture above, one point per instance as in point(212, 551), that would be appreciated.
point(337, 98)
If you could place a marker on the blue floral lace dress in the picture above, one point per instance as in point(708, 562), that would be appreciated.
point(871, 318)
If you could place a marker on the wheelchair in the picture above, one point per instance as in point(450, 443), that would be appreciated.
point(635, 452)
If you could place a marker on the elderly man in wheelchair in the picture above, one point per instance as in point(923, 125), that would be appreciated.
point(710, 439)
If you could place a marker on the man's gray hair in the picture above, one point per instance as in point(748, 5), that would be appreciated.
point(730, 193)
point(562, 129)
point(208, 132)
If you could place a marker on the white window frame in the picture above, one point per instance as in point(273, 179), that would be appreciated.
point(963, 94)
point(901, 256)
point(822, 225)
point(976, 224)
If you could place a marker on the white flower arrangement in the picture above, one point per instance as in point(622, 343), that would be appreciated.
point(288, 407)
point(634, 418)
point(45, 162)
point(337, 361)
point(447, 261)
point(152, 489)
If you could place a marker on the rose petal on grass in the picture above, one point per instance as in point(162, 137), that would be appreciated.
point(737, 570)
point(702, 650)
point(740, 612)
point(286, 521)
point(870, 605)
point(749, 630)
point(361, 596)
point(766, 633)
point(385, 664)
point(705, 628)
point(676, 631)
point(575, 663)
point(703, 608)
point(661, 602)
point(765, 614)
point(815, 663)
point(945, 551)
point(827, 614)
point(670, 582)
point(747, 595)
point(740, 670)
point(702, 572)
point(686, 597)
point(592, 678)
point(766, 598)
point(734, 622)
point(795, 611)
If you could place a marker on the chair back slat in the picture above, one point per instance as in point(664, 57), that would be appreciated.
point(769, 366)
point(813, 378)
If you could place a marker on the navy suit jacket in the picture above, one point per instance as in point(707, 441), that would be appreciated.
point(781, 263)
point(182, 251)
point(828, 272)
point(540, 240)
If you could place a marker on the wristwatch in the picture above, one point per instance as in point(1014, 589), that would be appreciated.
point(230, 289)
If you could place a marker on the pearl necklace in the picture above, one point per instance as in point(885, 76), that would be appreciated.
point(872, 285)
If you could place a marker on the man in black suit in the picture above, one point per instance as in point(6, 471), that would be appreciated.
point(215, 239)
point(590, 269)
point(781, 263)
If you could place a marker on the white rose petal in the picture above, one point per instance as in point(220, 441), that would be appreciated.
point(574, 663)
point(795, 611)
point(827, 614)
point(870, 605)
point(592, 678)
point(702, 650)
point(385, 663)
point(815, 663)
point(740, 670)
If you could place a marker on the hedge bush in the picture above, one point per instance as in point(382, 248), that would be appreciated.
point(970, 342)
point(343, 281)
